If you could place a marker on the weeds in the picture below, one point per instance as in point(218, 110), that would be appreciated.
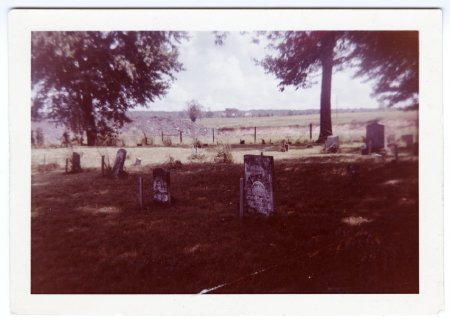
point(167, 141)
point(223, 153)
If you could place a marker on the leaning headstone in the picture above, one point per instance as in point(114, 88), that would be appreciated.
point(408, 140)
point(375, 135)
point(332, 144)
point(258, 185)
point(76, 162)
point(161, 186)
point(117, 170)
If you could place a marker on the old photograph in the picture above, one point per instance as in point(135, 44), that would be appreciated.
point(225, 162)
point(226, 155)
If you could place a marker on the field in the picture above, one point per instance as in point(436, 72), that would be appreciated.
point(349, 126)
point(332, 232)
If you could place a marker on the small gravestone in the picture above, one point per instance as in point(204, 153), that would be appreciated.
point(76, 162)
point(375, 136)
point(161, 186)
point(138, 162)
point(332, 144)
point(258, 185)
point(408, 140)
point(117, 170)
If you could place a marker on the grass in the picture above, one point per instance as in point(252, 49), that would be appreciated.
point(349, 126)
point(89, 236)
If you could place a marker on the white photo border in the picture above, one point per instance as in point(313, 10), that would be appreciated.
point(429, 24)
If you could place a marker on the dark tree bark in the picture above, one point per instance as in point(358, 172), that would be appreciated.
point(89, 121)
point(325, 94)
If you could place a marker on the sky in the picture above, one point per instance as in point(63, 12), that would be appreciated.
point(220, 77)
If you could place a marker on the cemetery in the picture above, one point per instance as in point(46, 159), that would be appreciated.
point(333, 218)
point(292, 193)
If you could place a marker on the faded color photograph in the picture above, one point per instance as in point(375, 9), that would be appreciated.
point(217, 162)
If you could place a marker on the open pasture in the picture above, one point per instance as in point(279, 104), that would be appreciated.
point(349, 126)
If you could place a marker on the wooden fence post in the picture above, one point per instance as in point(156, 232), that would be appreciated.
point(67, 165)
point(181, 136)
point(162, 137)
point(310, 131)
point(103, 166)
point(213, 134)
point(254, 138)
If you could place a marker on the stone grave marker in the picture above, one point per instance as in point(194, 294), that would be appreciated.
point(332, 144)
point(76, 162)
point(375, 136)
point(138, 162)
point(258, 185)
point(161, 186)
point(117, 169)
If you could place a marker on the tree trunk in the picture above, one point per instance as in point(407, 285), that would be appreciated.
point(325, 95)
point(89, 121)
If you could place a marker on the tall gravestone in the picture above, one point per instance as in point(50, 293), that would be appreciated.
point(76, 162)
point(117, 170)
point(161, 186)
point(258, 185)
point(375, 136)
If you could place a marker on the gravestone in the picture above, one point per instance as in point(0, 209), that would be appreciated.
point(138, 162)
point(76, 162)
point(161, 186)
point(408, 139)
point(258, 185)
point(375, 136)
point(332, 144)
point(117, 170)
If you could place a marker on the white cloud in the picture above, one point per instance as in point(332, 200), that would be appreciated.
point(226, 76)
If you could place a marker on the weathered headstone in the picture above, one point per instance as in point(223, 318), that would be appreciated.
point(375, 135)
point(117, 169)
point(76, 162)
point(161, 186)
point(258, 185)
point(332, 144)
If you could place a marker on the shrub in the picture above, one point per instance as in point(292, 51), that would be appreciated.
point(223, 153)
point(167, 141)
point(197, 156)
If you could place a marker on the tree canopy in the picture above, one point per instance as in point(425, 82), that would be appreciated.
point(194, 110)
point(388, 57)
point(88, 80)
